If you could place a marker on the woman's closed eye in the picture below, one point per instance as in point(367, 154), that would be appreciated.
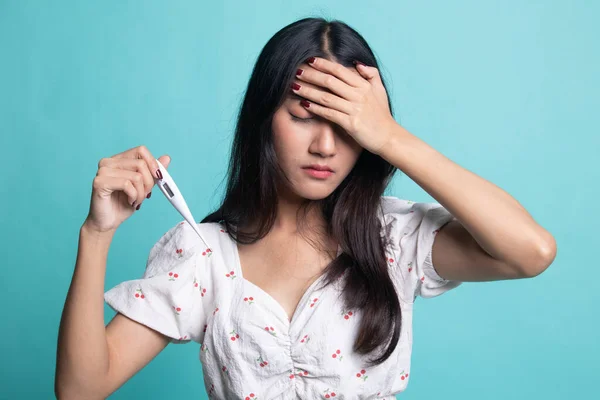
point(304, 120)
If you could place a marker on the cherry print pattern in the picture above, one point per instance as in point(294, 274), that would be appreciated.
point(201, 289)
point(346, 315)
point(328, 394)
point(177, 310)
point(179, 252)
point(336, 354)
point(299, 372)
point(234, 335)
point(225, 370)
point(410, 266)
point(173, 276)
point(251, 397)
point(271, 330)
point(216, 309)
point(305, 339)
point(249, 300)
point(205, 326)
point(204, 348)
point(263, 363)
point(182, 338)
point(207, 252)
point(139, 294)
point(403, 375)
point(313, 302)
point(231, 275)
point(362, 375)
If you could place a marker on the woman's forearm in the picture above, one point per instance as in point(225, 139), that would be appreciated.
point(501, 226)
point(82, 352)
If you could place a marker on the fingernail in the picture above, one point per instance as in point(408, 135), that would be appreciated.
point(305, 103)
point(133, 204)
point(311, 60)
point(299, 71)
point(159, 174)
point(138, 207)
point(149, 194)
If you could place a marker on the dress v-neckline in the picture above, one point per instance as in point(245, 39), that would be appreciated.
point(278, 306)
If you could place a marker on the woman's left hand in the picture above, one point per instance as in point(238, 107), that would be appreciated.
point(357, 102)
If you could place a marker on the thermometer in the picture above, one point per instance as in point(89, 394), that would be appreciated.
point(171, 191)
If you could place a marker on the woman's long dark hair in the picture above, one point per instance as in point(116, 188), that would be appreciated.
point(350, 212)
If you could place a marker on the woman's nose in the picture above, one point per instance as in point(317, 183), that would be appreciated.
point(324, 141)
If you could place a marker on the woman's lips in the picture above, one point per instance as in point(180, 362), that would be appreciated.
point(318, 174)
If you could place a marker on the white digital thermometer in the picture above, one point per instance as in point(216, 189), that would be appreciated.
point(169, 188)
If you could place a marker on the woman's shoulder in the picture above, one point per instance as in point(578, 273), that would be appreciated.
point(182, 237)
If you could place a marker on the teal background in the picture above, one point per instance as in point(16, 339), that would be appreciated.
point(507, 89)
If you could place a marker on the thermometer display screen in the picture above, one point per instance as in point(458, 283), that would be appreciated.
point(168, 189)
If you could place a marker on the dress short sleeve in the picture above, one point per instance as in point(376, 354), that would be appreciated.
point(411, 229)
point(165, 297)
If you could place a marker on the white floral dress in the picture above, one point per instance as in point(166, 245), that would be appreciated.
point(249, 347)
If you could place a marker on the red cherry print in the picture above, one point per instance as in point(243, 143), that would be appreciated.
point(337, 351)
point(195, 284)
point(362, 371)
point(245, 299)
point(231, 272)
point(203, 253)
point(349, 312)
point(391, 260)
point(358, 375)
point(334, 355)
point(305, 373)
point(346, 317)
point(402, 377)
point(170, 274)
point(332, 394)
point(237, 336)
point(292, 376)
point(266, 363)
point(176, 275)
point(143, 296)
point(251, 298)
point(137, 295)
point(266, 328)
point(227, 275)
point(178, 308)
point(326, 396)
point(262, 364)
point(272, 329)
point(422, 278)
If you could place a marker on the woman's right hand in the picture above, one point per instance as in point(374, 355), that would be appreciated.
point(121, 180)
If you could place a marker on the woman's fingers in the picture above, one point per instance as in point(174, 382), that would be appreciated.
point(130, 181)
point(137, 165)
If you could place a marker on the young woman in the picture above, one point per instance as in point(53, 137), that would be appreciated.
point(307, 284)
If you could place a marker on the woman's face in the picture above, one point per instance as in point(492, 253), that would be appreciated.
point(316, 140)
